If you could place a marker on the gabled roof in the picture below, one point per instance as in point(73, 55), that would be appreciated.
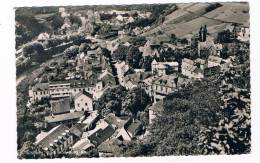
point(200, 61)
point(137, 77)
point(83, 93)
point(114, 120)
point(134, 127)
point(101, 135)
point(41, 87)
point(60, 106)
point(52, 135)
point(77, 129)
point(206, 45)
point(188, 61)
point(214, 59)
point(82, 145)
point(166, 80)
point(64, 117)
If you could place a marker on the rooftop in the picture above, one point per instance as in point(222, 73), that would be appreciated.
point(64, 117)
point(52, 135)
point(60, 106)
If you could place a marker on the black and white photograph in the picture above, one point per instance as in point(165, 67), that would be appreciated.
point(135, 80)
point(130, 81)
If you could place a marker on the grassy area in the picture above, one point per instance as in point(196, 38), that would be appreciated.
point(188, 18)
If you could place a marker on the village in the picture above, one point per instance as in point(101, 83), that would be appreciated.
point(72, 94)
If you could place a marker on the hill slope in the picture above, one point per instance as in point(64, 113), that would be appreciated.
point(189, 17)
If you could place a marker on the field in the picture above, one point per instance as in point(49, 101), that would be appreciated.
point(188, 18)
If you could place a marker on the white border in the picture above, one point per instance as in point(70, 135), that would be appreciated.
point(8, 84)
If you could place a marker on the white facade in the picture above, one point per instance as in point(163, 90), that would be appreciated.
point(83, 102)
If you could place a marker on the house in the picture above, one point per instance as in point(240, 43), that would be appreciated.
point(121, 68)
point(101, 135)
point(39, 91)
point(134, 128)
point(120, 18)
point(108, 148)
point(123, 33)
point(219, 48)
point(206, 48)
point(66, 118)
point(77, 130)
point(88, 28)
point(60, 106)
point(214, 61)
point(165, 85)
point(137, 31)
point(164, 68)
point(130, 19)
point(200, 63)
point(189, 68)
point(43, 36)
point(116, 122)
point(133, 80)
point(82, 146)
point(105, 80)
point(147, 85)
point(243, 32)
point(57, 141)
point(91, 120)
point(83, 101)
point(119, 124)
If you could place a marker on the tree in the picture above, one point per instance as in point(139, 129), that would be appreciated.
point(120, 53)
point(35, 51)
point(133, 57)
point(57, 21)
point(136, 100)
point(205, 31)
point(71, 52)
point(200, 34)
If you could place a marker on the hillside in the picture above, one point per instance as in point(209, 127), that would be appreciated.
point(188, 18)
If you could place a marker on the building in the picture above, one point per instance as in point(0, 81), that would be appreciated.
point(66, 118)
point(206, 48)
point(134, 128)
point(43, 36)
point(191, 70)
point(164, 68)
point(163, 86)
point(70, 88)
point(121, 68)
point(101, 134)
point(91, 120)
point(83, 101)
point(39, 91)
point(133, 80)
point(60, 106)
point(242, 33)
point(105, 81)
point(57, 141)
point(60, 89)
point(214, 61)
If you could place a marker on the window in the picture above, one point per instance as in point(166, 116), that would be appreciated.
point(86, 104)
point(78, 104)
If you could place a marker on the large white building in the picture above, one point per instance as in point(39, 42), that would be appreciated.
point(60, 89)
